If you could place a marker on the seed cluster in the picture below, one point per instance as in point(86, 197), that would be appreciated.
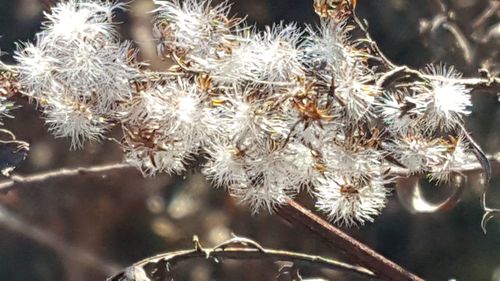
point(272, 112)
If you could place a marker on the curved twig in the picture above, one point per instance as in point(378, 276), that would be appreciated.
point(237, 248)
point(489, 213)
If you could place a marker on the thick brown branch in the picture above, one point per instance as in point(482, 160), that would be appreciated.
point(357, 251)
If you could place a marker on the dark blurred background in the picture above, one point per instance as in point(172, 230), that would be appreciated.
point(86, 228)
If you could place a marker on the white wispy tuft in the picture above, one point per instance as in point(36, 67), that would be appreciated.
point(352, 200)
point(77, 61)
point(445, 101)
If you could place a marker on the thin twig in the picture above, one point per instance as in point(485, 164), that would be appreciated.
point(237, 248)
point(487, 84)
point(490, 84)
point(364, 28)
point(360, 253)
point(19, 181)
point(471, 167)
point(486, 14)
point(396, 73)
point(14, 223)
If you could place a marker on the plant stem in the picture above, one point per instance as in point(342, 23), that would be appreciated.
point(238, 248)
point(296, 214)
point(19, 181)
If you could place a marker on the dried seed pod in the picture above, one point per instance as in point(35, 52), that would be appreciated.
point(336, 9)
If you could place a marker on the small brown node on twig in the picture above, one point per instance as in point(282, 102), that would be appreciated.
point(335, 9)
point(8, 83)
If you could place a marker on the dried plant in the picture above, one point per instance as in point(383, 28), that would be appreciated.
point(272, 112)
point(266, 114)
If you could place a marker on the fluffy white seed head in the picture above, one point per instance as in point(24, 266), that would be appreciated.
point(275, 56)
point(418, 154)
point(72, 119)
point(330, 57)
point(455, 158)
point(395, 110)
point(446, 101)
point(325, 47)
point(260, 195)
point(192, 28)
point(166, 156)
point(163, 127)
point(36, 68)
point(77, 20)
point(348, 161)
point(78, 50)
point(226, 164)
point(351, 201)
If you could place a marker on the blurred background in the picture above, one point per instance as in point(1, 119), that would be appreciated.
point(86, 228)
